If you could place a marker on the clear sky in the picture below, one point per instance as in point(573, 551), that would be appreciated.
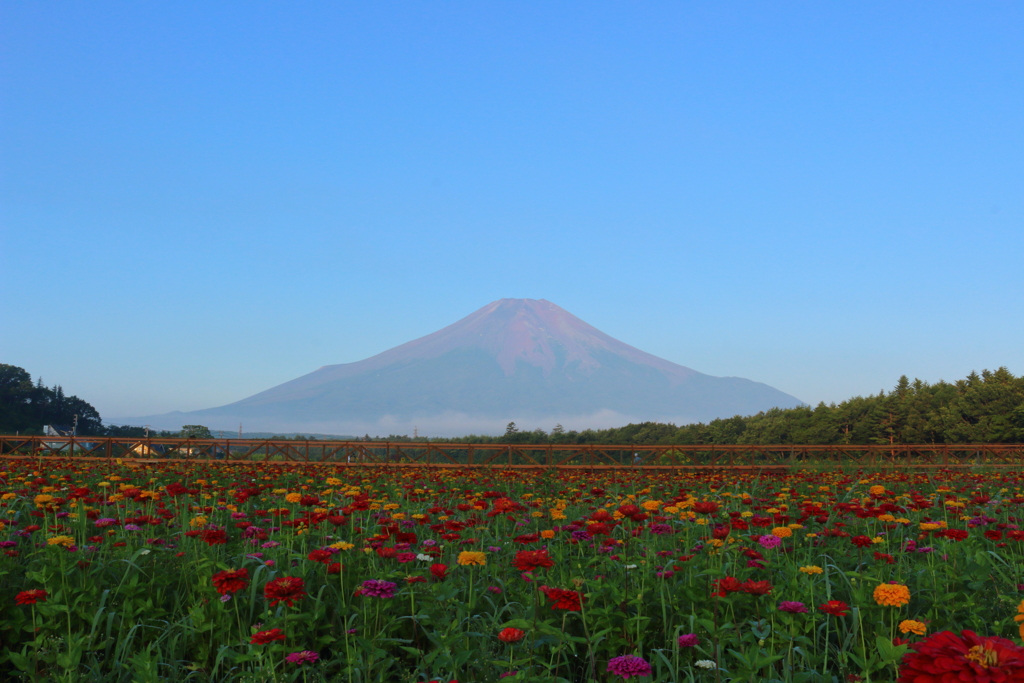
point(199, 201)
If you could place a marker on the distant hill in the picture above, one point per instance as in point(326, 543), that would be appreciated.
point(525, 360)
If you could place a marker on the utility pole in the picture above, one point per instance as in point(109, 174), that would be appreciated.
point(239, 430)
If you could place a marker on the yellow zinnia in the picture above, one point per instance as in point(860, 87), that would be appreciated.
point(293, 497)
point(43, 500)
point(812, 569)
point(782, 532)
point(472, 557)
point(892, 594)
point(66, 541)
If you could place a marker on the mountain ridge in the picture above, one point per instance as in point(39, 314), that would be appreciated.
point(520, 359)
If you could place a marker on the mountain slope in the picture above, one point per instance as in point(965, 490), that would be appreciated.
point(514, 359)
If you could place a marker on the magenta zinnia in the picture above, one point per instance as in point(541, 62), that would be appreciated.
point(303, 657)
point(629, 666)
point(378, 589)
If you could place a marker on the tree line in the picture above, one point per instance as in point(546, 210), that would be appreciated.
point(985, 408)
point(26, 406)
point(981, 408)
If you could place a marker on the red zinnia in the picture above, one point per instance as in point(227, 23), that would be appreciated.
point(214, 536)
point(861, 541)
point(30, 597)
point(267, 637)
point(954, 534)
point(563, 599)
point(528, 560)
point(511, 635)
point(286, 589)
point(729, 584)
point(967, 658)
point(836, 608)
point(756, 587)
point(320, 556)
point(231, 581)
point(439, 571)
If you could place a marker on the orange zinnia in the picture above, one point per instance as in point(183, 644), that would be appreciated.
point(472, 557)
point(892, 595)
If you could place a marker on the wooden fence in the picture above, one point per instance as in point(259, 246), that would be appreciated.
point(466, 455)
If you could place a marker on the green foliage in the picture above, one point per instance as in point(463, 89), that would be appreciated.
point(195, 432)
point(25, 407)
point(985, 408)
point(131, 596)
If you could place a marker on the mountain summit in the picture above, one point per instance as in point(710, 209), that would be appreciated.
point(526, 360)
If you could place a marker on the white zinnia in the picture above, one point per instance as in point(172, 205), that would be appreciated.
point(705, 664)
point(424, 558)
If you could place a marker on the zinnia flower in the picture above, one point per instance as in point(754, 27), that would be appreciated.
point(303, 657)
point(267, 637)
point(379, 589)
point(30, 597)
point(688, 640)
point(528, 560)
point(911, 626)
point(769, 541)
point(861, 541)
point(563, 599)
point(212, 536)
point(629, 666)
point(966, 658)
point(812, 569)
point(472, 557)
point(892, 595)
point(836, 608)
point(231, 581)
point(511, 635)
point(782, 532)
point(66, 541)
point(756, 587)
point(792, 606)
point(286, 589)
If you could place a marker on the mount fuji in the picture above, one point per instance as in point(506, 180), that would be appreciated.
point(526, 360)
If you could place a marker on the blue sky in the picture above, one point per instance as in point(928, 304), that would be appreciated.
point(199, 201)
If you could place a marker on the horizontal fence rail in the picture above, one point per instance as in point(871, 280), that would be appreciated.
point(467, 455)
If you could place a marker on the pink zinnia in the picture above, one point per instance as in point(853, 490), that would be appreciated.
point(688, 640)
point(792, 606)
point(769, 541)
point(629, 666)
point(378, 589)
point(303, 657)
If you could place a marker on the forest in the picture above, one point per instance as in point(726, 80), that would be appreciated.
point(981, 408)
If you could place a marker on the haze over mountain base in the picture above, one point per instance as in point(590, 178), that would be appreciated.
point(521, 360)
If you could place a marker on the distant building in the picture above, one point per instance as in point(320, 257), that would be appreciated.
point(58, 430)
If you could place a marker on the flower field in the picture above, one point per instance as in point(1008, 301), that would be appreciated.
point(279, 572)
